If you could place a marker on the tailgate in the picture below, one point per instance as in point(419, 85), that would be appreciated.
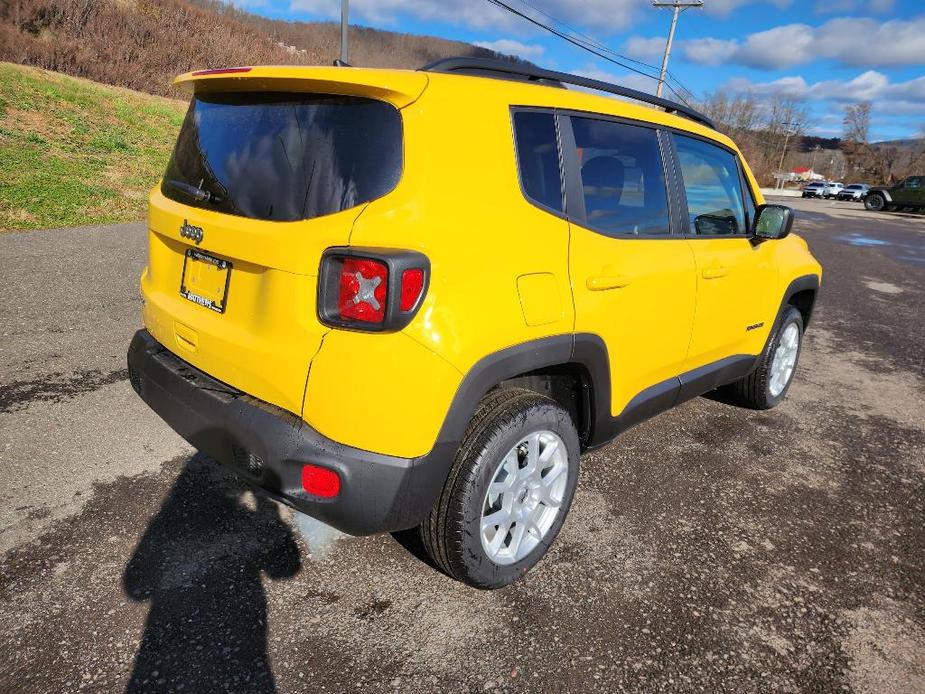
point(271, 167)
point(267, 333)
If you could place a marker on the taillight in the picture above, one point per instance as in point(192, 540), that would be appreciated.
point(363, 290)
point(412, 284)
point(221, 71)
point(371, 289)
point(320, 481)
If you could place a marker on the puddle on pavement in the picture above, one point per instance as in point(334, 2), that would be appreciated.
point(319, 536)
point(905, 252)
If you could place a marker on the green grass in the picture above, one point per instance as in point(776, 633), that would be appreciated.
point(74, 152)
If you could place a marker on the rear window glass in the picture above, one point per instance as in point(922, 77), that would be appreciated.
point(538, 158)
point(284, 157)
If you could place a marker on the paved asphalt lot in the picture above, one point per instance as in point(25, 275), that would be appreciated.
point(712, 548)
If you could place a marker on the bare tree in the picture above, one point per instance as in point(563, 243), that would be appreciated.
point(859, 156)
point(857, 122)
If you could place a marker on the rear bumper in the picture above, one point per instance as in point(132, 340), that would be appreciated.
point(268, 446)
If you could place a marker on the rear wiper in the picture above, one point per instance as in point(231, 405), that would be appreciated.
point(197, 193)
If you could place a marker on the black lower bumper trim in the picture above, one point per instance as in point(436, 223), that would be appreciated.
point(267, 446)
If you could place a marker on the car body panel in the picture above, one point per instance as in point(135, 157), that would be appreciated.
point(734, 308)
point(646, 323)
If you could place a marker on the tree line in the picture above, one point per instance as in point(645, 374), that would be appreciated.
point(772, 134)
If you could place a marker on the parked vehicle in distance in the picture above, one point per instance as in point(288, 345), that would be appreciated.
point(855, 191)
point(908, 193)
point(411, 299)
point(832, 189)
point(816, 189)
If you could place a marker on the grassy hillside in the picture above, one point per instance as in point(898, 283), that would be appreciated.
point(74, 152)
point(143, 44)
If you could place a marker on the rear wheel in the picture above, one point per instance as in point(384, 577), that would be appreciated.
point(767, 385)
point(874, 202)
point(508, 492)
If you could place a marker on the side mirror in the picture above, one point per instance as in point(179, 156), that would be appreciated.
point(772, 222)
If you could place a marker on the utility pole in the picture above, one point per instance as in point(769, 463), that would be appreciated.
point(344, 12)
point(816, 150)
point(780, 167)
point(678, 6)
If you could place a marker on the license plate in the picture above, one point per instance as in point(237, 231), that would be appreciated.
point(205, 280)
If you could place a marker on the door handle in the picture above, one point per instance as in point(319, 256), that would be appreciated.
point(714, 272)
point(604, 282)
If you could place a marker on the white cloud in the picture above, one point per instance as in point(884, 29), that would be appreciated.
point(892, 43)
point(893, 97)
point(709, 51)
point(724, 8)
point(643, 48)
point(843, 7)
point(606, 16)
point(512, 47)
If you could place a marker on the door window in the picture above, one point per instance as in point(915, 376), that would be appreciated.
point(914, 182)
point(713, 187)
point(622, 179)
point(538, 158)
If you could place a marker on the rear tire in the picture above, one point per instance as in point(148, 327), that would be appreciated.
point(514, 473)
point(767, 385)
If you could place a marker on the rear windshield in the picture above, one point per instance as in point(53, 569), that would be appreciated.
point(284, 157)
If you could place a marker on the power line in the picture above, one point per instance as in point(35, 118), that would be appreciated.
point(503, 5)
point(588, 39)
point(682, 92)
point(591, 45)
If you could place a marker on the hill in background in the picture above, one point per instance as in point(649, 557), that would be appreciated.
point(74, 152)
point(144, 44)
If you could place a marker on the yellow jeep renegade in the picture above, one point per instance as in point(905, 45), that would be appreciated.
point(399, 299)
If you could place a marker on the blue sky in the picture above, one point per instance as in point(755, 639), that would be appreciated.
point(828, 52)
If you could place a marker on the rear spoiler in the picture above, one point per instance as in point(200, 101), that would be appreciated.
point(399, 87)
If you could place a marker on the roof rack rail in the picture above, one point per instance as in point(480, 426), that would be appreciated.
point(503, 69)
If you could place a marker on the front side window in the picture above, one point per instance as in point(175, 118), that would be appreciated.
point(538, 158)
point(713, 187)
point(284, 156)
point(622, 179)
point(914, 182)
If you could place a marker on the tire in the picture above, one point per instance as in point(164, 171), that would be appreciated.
point(495, 452)
point(766, 386)
point(874, 203)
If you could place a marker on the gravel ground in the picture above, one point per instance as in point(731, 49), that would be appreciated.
point(711, 548)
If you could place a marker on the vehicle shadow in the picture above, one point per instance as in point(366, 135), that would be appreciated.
point(199, 563)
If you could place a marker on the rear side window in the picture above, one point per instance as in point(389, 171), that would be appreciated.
point(622, 179)
point(713, 187)
point(538, 158)
point(284, 157)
